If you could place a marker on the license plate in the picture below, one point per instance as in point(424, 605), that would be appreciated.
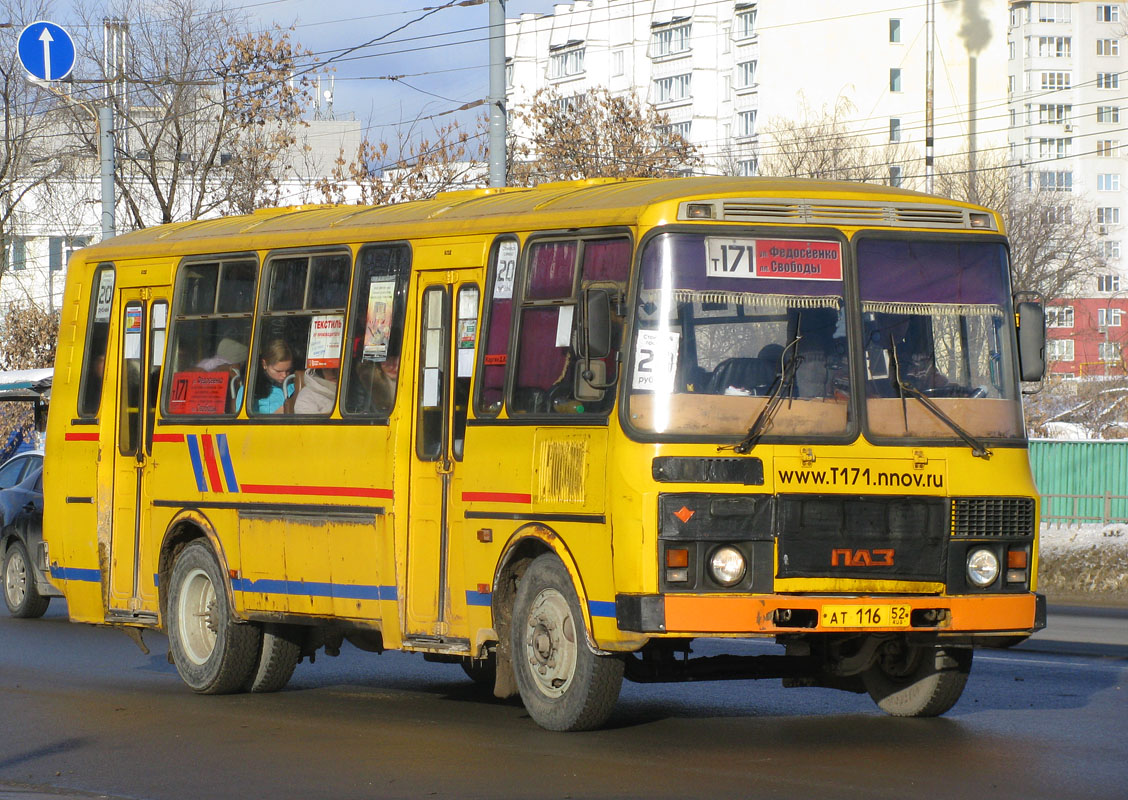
point(867, 616)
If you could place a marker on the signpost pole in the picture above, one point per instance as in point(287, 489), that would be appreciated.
point(106, 154)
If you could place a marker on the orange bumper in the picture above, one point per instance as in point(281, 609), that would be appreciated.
point(711, 614)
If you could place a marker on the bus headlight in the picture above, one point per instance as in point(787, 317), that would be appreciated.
point(982, 567)
point(727, 566)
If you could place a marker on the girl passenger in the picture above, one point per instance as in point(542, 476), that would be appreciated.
point(277, 364)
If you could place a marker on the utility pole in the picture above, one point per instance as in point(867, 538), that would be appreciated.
point(497, 93)
point(929, 99)
point(113, 61)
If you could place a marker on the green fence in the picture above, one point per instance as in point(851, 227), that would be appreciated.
point(1081, 482)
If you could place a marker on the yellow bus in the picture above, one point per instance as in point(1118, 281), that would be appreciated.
point(556, 435)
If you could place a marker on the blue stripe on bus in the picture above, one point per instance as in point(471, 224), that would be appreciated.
point(478, 598)
point(340, 591)
point(75, 574)
point(225, 459)
point(602, 608)
point(197, 462)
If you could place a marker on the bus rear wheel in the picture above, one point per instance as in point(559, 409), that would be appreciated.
point(213, 652)
point(281, 652)
point(917, 680)
point(20, 595)
point(563, 684)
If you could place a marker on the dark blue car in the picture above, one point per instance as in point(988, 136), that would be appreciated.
point(27, 591)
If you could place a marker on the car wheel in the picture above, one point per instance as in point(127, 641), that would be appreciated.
point(20, 595)
point(213, 652)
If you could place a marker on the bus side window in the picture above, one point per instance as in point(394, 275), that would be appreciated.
point(376, 330)
point(97, 335)
point(497, 318)
point(210, 339)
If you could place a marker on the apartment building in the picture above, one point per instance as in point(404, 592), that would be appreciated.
point(1069, 89)
point(720, 68)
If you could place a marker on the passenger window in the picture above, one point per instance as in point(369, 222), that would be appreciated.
point(495, 349)
point(433, 337)
point(465, 337)
point(211, 334)
point(379, 299)
point(97, 335)
point(551, 377)
point(300, 335)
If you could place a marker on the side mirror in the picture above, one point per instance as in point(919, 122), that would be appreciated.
point(1031, 341)
point(597, 324)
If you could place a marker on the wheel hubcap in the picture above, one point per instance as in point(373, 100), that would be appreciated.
point(197, 616)
point(15, 579)
point(551, 643)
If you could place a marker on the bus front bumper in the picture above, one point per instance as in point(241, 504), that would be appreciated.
point(705, 615)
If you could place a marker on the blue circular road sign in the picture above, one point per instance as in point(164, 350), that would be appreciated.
point(46, 51)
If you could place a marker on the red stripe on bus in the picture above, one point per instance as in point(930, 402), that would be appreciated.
point(81, 437)
point(496, 497)
point(330, 491)
point(168, 437)
point(212, 464)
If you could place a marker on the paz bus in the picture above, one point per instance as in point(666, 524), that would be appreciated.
point(556, 435)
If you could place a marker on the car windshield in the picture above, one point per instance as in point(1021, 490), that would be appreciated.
point(725, 323)
point(935, 320)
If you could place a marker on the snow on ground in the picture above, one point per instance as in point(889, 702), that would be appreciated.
point(1085, 561)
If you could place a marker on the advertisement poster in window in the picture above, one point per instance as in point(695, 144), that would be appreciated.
point(198, 393)
point(325, 336)
point(378, 323)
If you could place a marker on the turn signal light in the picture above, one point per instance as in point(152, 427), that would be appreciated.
point(1016, 559)
point(677, 557)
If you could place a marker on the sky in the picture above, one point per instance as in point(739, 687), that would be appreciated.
point(443, 58)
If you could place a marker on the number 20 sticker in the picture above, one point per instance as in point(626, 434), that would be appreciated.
point(656, 360)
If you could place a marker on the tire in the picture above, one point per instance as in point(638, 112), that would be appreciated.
point(20, 595)
point(563, 684)
point(917, 681)
point(280, 654)
point(213, 652)
point(483, 671)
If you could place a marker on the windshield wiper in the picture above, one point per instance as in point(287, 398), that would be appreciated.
point(978, 449)
point(784, 383)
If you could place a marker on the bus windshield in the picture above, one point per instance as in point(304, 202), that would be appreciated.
point(934, 322)
point(725, 323)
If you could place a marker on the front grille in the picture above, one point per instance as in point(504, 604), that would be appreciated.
point(993, 517)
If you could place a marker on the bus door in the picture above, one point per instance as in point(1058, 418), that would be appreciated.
point(143, 323)
point(448, 306)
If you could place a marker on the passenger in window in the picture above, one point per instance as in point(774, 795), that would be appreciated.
point(229, 353)
point(277, 364)
point(318, 393)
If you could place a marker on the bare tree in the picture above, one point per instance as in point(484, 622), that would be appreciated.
point(206, 108)
point(595, 135)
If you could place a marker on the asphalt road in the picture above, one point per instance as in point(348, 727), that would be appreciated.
point(86, 714)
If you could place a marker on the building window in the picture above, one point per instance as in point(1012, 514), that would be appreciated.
point(1108, 283)
point(1108, 351)
point(617, 63)
point(748, 168)
point(1108, 12)
point(1053, 181)
point(1108, 80)
point(1108, 47)
point(1012, 50)
point(1059, 349)
point(669, 41)
point(1108, 113)
point(1055, 114)
point(1108, 182)
point(567, 63)
point(1110, 249)
point(746, 75)
point(1059, 316)
point(1106, 148)
point(746, 23)
point(896, 174)
point(569, 104)
point(1108, 215)
point(1054, 12)
point(1054, 46)
point(1055, 80)
point(1055, 148)
point(672, 89)
point(726, 38)
point(19, 253)
point(1109, 317)
point(895, 31)
point(509, 74)
point(895, 79)
point(679, 128)
point(746, 123)
point(894, 130)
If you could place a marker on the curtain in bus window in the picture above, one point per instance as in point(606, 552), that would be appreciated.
point(552, 270)
point(607, 260)
point(495, 353)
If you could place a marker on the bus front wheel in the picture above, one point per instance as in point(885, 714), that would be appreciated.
point(214, 653)
point(917, 680)
point(563, 684)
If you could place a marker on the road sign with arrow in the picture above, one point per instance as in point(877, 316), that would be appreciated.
point(46, 51)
